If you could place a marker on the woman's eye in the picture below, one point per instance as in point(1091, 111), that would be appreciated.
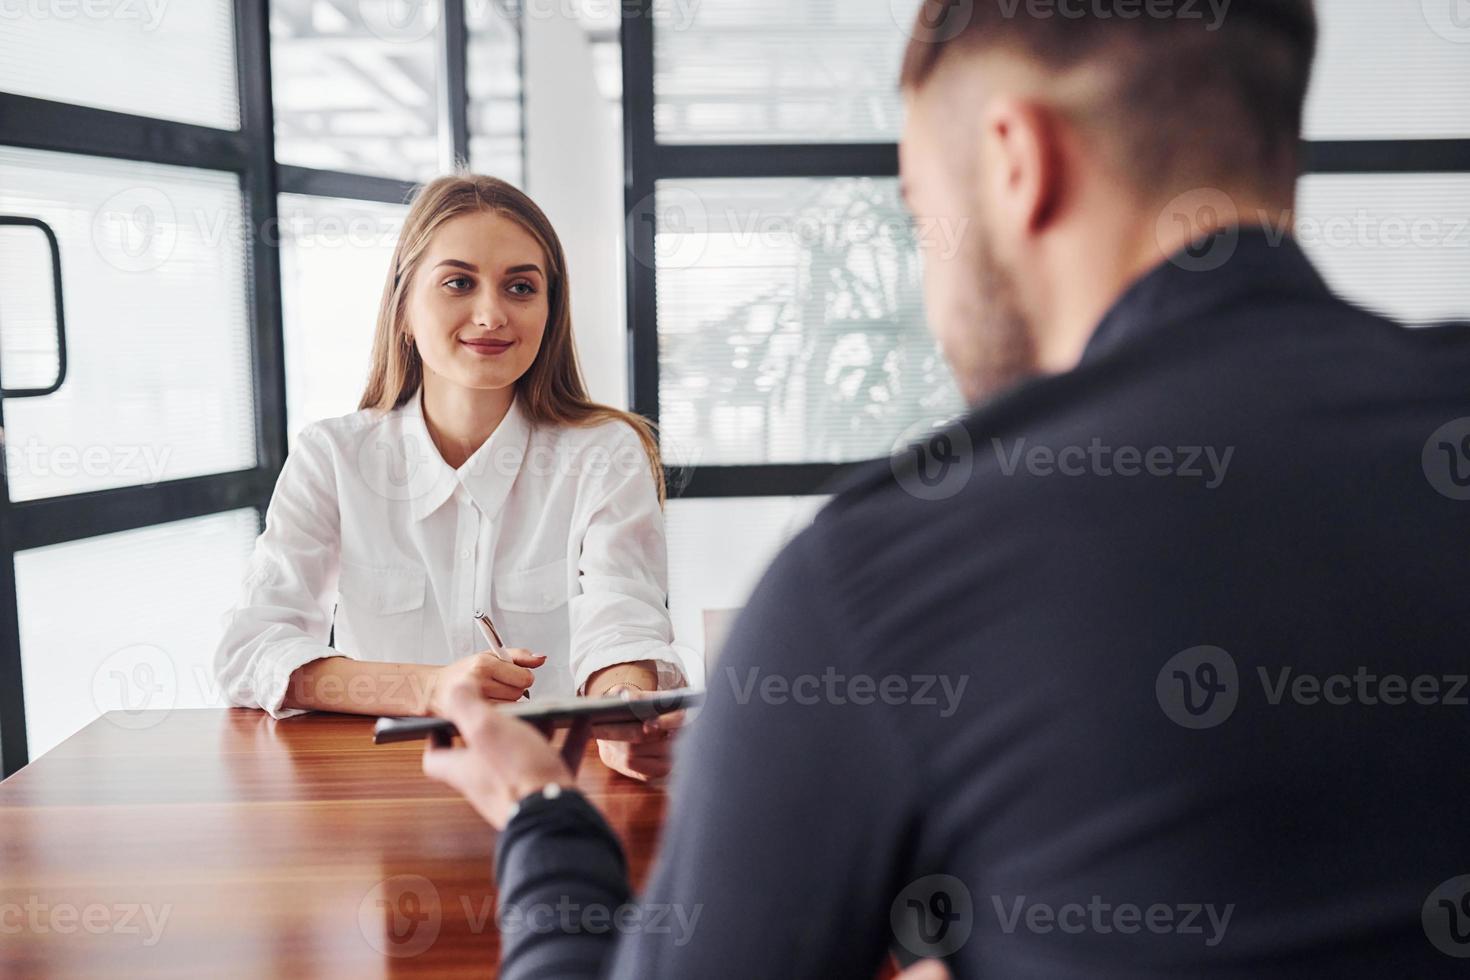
point(523, 289)
point(458, 283)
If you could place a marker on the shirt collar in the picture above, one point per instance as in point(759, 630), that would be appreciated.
point(486, 476)
point(1214, 272)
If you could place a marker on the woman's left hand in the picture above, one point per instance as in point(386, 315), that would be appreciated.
point(639, 750)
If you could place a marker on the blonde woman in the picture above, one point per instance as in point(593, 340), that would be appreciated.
point(476, 476)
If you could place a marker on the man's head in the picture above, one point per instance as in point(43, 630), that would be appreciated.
point(1053, 133)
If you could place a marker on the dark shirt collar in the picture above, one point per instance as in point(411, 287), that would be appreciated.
point(1211, 274)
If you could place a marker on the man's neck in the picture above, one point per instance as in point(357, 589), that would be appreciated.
point(461, 419)
point(1100, 269)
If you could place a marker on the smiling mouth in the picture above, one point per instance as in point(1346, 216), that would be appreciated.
point(488, 346)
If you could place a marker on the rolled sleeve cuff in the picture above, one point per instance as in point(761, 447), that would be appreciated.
point(676, 667)
point(273, 678)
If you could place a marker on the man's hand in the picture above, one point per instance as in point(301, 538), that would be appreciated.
point(925, 970)
point(503, 760)
point(495, 679)
point(641, 750)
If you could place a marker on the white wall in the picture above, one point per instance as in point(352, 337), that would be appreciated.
point(574, 170)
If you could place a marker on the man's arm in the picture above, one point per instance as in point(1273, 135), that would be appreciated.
point(791, 805)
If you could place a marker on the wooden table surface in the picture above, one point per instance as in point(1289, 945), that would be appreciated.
point(223, 843)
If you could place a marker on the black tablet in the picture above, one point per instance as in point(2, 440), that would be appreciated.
point(550, 714)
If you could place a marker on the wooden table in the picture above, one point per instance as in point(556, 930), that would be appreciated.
point(223, 843)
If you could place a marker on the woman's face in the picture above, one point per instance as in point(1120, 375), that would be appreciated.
point(477, 306)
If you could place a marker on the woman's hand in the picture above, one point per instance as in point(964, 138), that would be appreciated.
point(493, 678)
point(503, 760)
point(640, 750)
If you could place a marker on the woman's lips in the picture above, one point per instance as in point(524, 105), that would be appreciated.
point(488, 347)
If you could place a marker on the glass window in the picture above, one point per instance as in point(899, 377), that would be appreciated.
point(1390, 69)
point(791, 321)
point(126, 622)
point(1398, 244)
point(334, 261)
point(356, 86)
point(735, 71)
point(28, 354)
point(747, 533)
point(160, 382)
point(166, 60)
point(493, 85)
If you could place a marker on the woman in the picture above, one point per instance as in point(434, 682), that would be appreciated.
point(476, 477)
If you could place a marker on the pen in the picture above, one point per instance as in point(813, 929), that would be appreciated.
point(497, 645)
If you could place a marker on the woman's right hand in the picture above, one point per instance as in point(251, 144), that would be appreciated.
point(495, 679)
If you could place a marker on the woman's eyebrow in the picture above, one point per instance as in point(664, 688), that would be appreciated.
point(531, 267)
point(469, 266)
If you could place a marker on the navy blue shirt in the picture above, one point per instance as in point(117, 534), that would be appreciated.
point(1154, 668)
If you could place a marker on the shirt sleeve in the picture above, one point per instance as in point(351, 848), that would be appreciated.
point(620, 612)
point(792, 808)
point(284, 614)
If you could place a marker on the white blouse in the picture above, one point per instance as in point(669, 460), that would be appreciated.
point(557, 532)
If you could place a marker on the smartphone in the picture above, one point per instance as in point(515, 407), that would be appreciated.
point(556, 714)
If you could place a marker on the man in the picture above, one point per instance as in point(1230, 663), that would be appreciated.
point(1150, 666)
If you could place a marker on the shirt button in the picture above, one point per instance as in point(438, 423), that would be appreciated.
point(465, 554)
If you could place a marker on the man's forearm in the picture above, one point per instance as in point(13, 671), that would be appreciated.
point(562, 881)
point(360, 687)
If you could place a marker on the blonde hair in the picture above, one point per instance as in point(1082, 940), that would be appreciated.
point(552, 391)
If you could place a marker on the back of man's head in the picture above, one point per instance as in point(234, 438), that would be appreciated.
point(1193, 92)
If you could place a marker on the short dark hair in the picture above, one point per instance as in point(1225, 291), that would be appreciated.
point(1196, 99)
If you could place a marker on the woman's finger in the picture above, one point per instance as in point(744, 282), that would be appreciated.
point(525, 658)
point(494, 690)
point(509, 674)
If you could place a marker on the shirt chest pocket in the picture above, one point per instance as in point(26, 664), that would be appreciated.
point(382, 610)
point(532, 590)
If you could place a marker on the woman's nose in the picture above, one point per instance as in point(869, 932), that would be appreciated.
point(488, 311)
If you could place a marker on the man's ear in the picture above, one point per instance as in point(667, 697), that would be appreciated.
point(1020, 166)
